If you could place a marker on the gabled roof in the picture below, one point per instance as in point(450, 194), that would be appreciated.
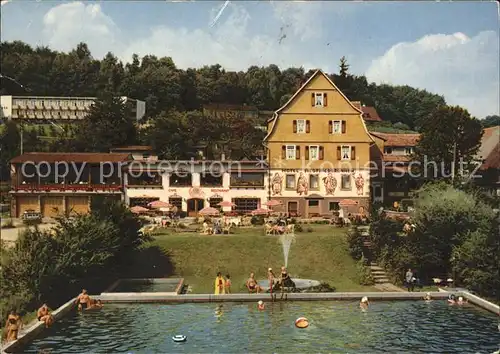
point(394, 139)
point(78, 157)
point(316, 73)
point(370, 114)
point(490, 147)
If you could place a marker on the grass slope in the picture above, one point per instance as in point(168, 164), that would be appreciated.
point(321, 255)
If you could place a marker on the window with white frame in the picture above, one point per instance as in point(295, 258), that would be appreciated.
point(301, 125)
point(291, 152)
point(290, 182)
point(346, 152)
point(313, 152)
point(337, 127)
point(318, 99)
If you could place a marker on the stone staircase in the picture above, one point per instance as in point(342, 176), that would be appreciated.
point(379, 275)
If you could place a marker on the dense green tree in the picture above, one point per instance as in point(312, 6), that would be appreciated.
point(110, 123)
point(448, 133)
point(491, 121)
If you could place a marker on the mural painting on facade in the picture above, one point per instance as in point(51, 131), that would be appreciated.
point(277, 183)
point(330, 184)
point(302, 185)
point(360, 183)
point(196, 192)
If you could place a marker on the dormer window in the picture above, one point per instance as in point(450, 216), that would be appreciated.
point(319, 99)
point(388, 150)
point(409, 150)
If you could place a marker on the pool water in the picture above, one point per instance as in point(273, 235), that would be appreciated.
point(339, 327)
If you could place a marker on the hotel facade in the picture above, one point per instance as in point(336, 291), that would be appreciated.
point(318, 150)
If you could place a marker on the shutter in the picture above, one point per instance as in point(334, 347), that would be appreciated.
point(321, 153)
point(308, 126)
point(353, 153)
point(343, 127)
point(330, 126)
point(307, 153)
point(283, 152)
point(325, 100)
point(339, 153)
point(295, 126)
point(312, 99)
point(297, 152)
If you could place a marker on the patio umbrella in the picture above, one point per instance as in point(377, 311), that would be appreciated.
point(348, 202)
point(273, 202)
point(157, 204)
point(209, 211)
point(260, 211)
point(138, 210)
point(226, 204)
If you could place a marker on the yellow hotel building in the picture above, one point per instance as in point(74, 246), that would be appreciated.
point(318, 150)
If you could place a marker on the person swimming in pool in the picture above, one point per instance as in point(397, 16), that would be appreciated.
point(83, 300)
point(364, 304)
point(428, 297)
point(260, 305)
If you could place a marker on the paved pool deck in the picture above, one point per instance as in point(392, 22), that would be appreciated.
point(27, 336)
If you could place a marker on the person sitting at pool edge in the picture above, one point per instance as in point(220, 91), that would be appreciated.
point(428, 297)
point(13, 326)
point(83, 300)
point(364, 303)
point(285, 281)
point(252, 285)
point(44, 316)
point(219, 284)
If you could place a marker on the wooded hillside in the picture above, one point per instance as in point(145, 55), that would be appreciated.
point(165, 87)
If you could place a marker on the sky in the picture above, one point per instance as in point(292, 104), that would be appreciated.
point(448, 48)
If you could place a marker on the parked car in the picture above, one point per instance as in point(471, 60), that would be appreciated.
point(32, 216)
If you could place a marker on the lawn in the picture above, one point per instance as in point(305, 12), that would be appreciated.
point(321, 254)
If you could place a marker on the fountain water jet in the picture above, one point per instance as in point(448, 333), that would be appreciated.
point(286, 240)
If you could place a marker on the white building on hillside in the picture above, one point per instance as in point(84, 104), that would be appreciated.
point(60, 109)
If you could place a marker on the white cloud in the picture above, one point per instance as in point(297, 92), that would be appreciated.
point(68, 24)
point(465, 70)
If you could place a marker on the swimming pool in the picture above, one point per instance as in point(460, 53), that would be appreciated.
point(389, 326)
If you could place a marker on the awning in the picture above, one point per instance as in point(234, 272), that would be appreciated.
point(314, 196)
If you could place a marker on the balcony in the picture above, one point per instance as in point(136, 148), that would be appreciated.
point(93, 188)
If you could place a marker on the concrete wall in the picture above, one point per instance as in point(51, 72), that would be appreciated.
point(30, 333)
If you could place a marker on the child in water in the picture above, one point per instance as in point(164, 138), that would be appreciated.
point(228, 284)
point(261, 305)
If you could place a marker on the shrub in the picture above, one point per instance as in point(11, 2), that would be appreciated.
point(257, 220)
point(181, 225)
point(293, 221)
point(309, 229)
point(475, 262)
point(363, 273)
point(299, 228)
point(355, 242)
